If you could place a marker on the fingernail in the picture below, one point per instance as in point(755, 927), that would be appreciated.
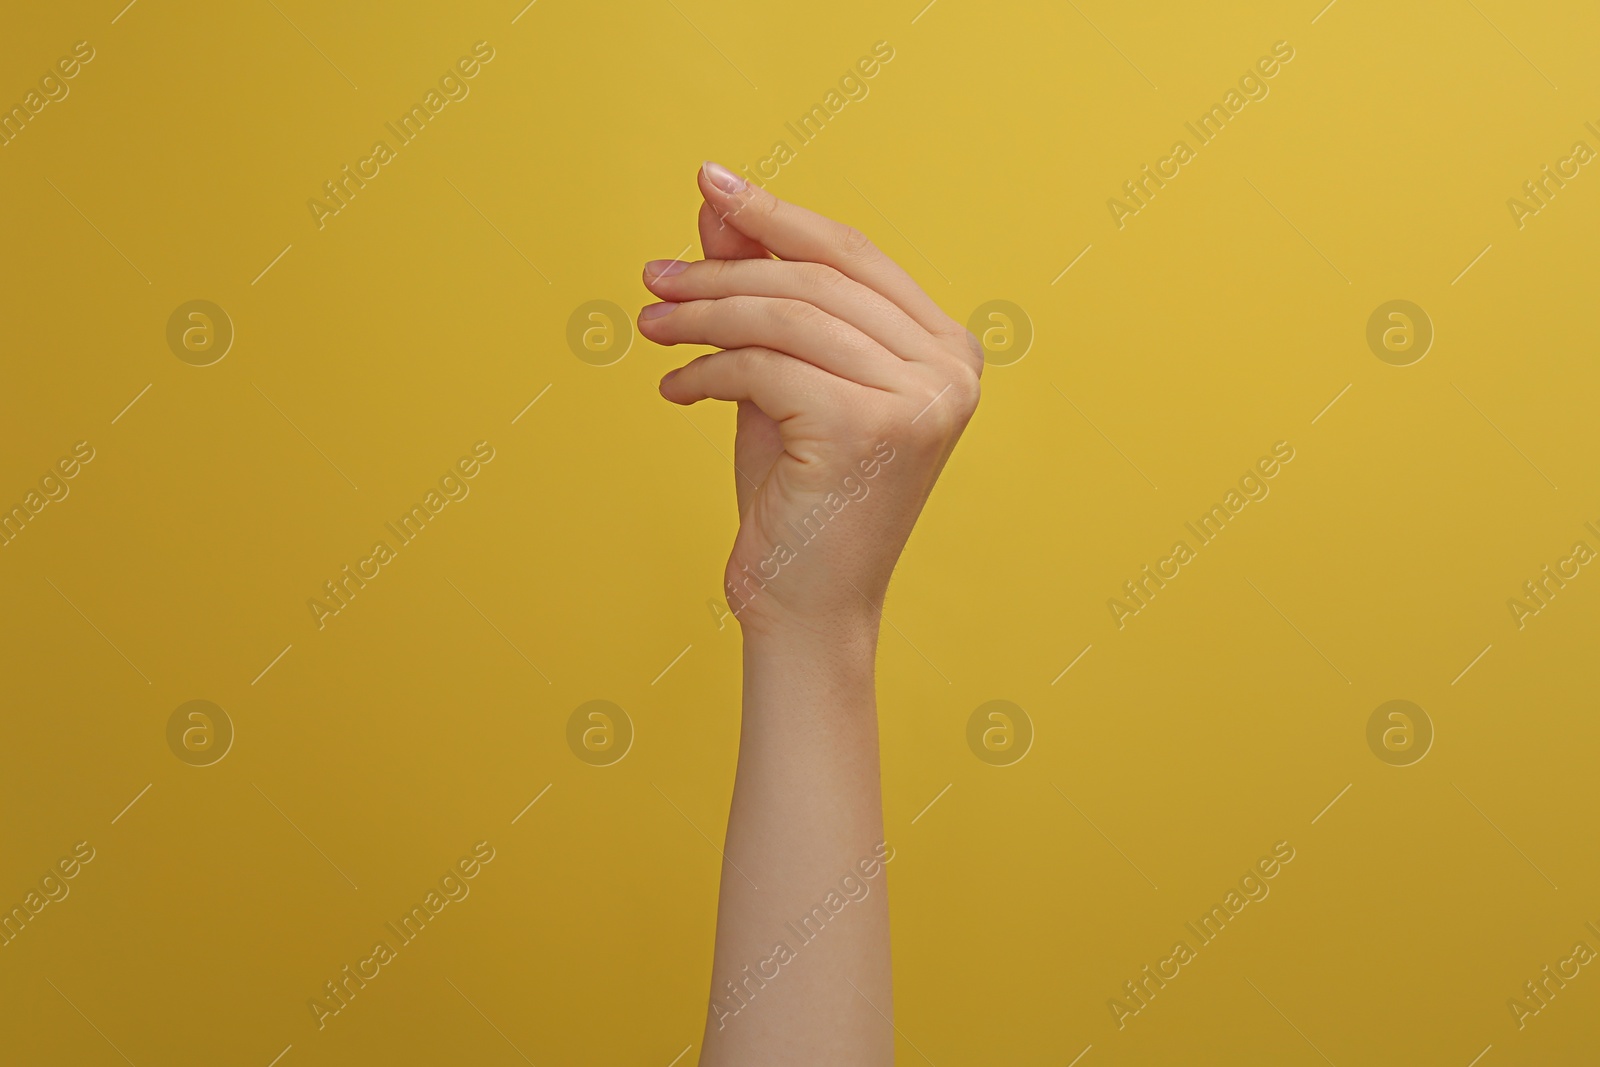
point(665, 268)
point(655, 311)
point(723, 178)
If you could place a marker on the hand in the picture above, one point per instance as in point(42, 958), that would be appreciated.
point(852, 386)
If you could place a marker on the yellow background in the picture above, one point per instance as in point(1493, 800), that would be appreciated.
point(1224, 718)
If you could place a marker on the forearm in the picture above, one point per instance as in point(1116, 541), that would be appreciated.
point(801, 968)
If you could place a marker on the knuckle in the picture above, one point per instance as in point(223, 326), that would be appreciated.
point(946, 416)
point(969, 352)
point(974, 348)
point(794, 313)
point(739, 305)
point(853, 243)
point(765, 206)
point(966, 395)
point(824, 279)
point(745, 361)
point(714, 271)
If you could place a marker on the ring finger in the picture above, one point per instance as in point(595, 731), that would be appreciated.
point(792, 326)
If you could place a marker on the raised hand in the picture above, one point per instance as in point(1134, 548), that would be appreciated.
point(852, 389)
point(852, 385)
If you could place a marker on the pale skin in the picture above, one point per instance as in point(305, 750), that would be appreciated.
point(836, 359)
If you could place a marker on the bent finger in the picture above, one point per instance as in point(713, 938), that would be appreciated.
point(791, 326)
point(823, 286)
point(781, 386)
point(794, 233)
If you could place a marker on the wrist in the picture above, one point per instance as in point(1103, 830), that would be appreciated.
point(846, 642)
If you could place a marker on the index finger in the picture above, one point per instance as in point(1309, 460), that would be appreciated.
point(793, 233)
